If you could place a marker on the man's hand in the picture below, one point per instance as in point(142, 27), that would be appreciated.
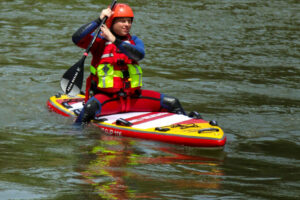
point(106, 13)
point(107, 34)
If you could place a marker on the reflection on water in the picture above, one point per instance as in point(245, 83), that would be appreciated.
point(118, 170)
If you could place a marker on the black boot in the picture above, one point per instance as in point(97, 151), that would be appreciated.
point(195, 115)
point(172, 104)
point(88, 112)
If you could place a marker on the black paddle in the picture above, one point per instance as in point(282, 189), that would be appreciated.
point(71, 81)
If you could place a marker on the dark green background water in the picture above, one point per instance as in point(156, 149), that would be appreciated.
point(236, 61)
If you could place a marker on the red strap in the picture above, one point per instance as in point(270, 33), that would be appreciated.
point(123, 104)
point(128, 103)
point(87, 88)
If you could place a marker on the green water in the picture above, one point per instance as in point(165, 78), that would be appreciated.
point(235, 61)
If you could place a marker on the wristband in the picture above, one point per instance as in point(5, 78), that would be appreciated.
point(98, 21)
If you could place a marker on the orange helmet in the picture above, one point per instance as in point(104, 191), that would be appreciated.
point(120, 10)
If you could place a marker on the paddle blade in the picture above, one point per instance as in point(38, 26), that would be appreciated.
point(72, 79)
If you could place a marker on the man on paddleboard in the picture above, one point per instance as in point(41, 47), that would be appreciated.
point(114, 85)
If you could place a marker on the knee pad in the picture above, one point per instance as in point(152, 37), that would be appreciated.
point(172, 104)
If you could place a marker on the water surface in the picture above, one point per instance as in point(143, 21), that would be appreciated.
point(234, 61)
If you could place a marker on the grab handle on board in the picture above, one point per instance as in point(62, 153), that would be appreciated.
point(208, 129)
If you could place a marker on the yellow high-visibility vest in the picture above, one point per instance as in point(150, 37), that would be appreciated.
point(106, 74)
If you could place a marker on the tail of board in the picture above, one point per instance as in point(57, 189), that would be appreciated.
point(158, 126)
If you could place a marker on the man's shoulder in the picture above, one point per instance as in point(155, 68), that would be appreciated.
point(134, 37)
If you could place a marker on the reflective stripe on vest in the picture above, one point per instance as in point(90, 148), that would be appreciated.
point(116, 73)
point(107, 55)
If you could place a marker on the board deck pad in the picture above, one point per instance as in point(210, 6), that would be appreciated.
point(159, 126)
